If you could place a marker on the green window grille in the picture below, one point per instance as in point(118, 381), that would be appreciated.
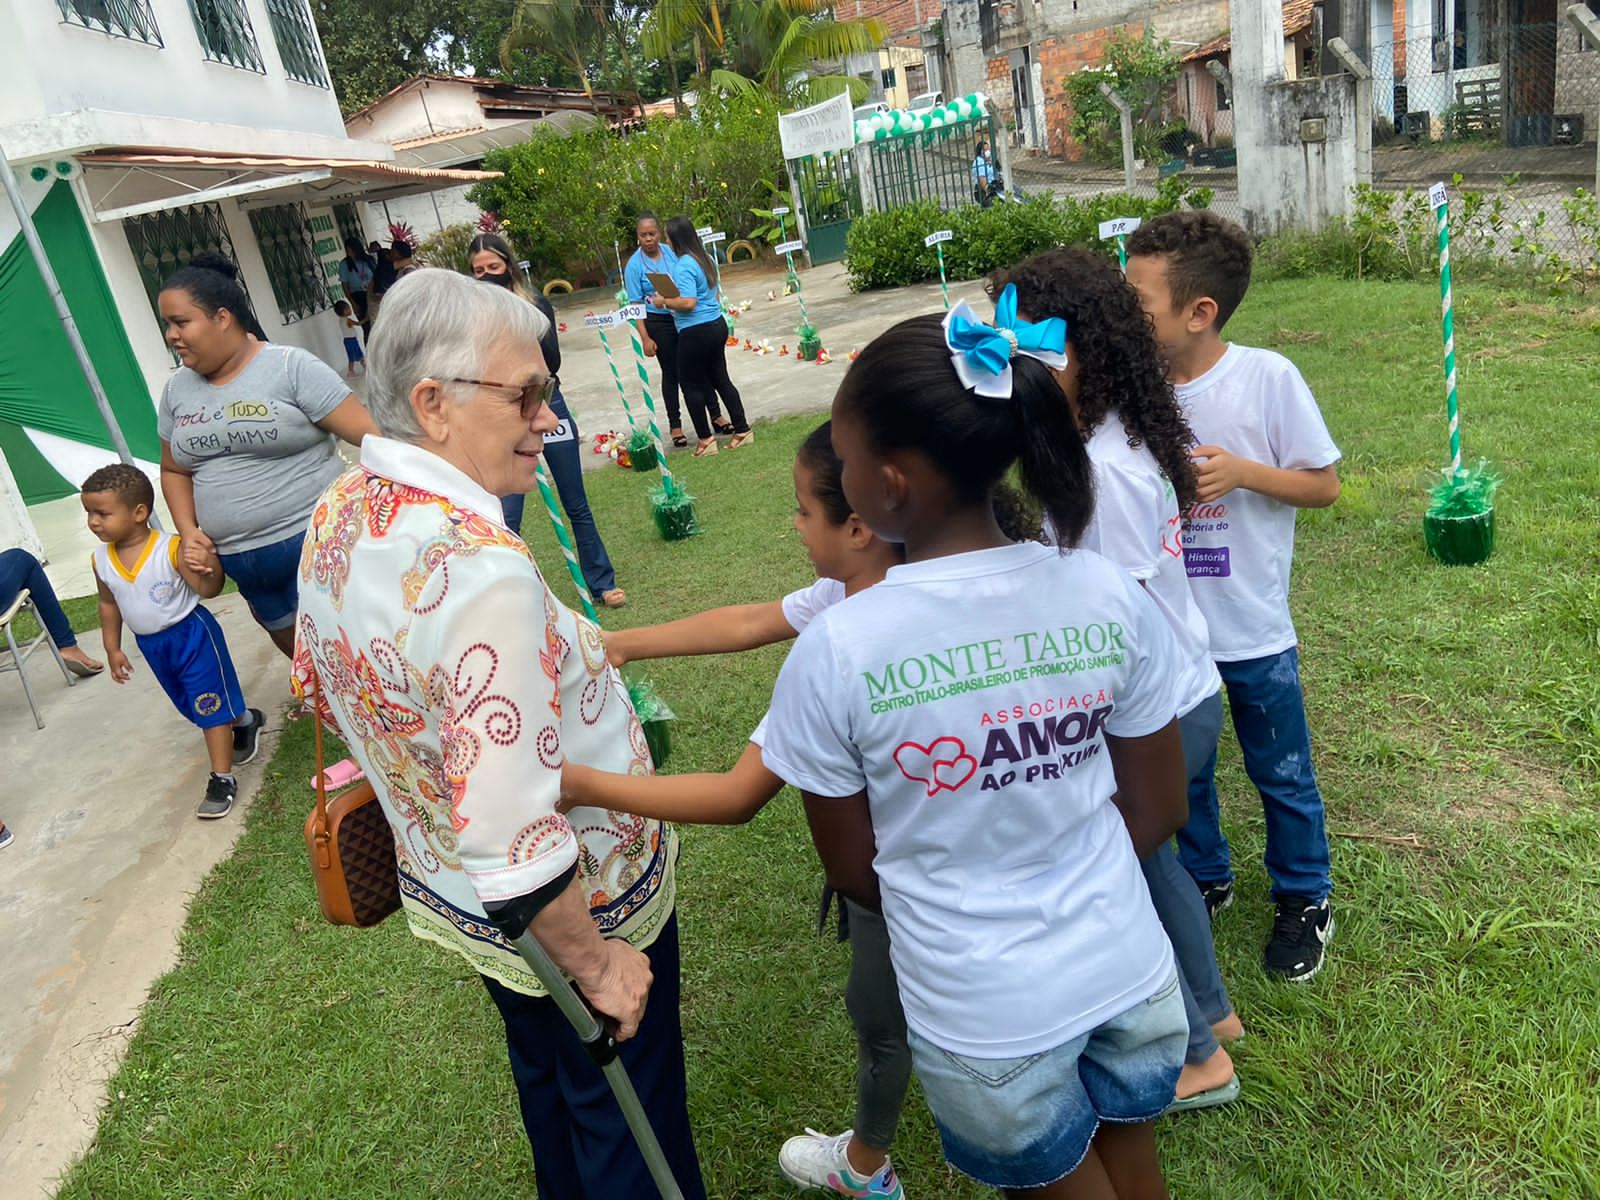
point(164, 241)
point(289, 249)
point(120, 18)
point(297, 41)
point(226, 34)
point(350, 225)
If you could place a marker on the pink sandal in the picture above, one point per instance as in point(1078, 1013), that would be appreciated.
point(340, 775)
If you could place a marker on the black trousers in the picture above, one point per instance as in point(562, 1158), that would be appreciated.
point(664, 333)
point(582, 1149)
point(703, 371)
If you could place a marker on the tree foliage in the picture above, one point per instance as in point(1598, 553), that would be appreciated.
point(1142, 70)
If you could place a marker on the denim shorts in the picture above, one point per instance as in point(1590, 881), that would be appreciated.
point(268, 578)
point(1027, 1122)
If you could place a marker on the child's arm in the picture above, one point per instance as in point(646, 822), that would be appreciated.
point(200, 567)
point(1220, 472)
point(731, 798)
point(841, 830)
point(111, 633)
point(1152, 793)
point(719, 631)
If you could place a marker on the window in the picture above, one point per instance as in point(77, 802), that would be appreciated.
point(296, 36)
point(226, 35)
point(888, 77)
point(120, 18)
point(283, 233)
point(162, 242)
point(1223, 103)
point(350, 225)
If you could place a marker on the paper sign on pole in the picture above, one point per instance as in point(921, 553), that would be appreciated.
point(1119, 227)
point(933, 239)
point(702, 231)
point(818, 129)
point(1436, 196)
point(781, 211)
point(609, 320)
point(711, 239)
point(794, 247)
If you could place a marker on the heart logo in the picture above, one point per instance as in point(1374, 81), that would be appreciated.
point(1172, 537)
point(942, 766)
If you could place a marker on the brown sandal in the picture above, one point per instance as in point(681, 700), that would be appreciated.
point(615, 598)
point(706, 448)
point(741, 439)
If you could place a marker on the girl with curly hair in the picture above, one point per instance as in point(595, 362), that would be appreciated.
point(1138, 442)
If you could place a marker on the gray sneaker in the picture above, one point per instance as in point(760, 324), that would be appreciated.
point(5, 836)
point(219, 799)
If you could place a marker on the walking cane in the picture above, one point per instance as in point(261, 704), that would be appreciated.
point(602, 1048)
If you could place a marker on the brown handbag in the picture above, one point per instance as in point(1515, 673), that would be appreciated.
point(351, 846)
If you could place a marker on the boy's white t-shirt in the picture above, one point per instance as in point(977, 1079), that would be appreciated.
point(1136, 525)
point(1252, 403)
point(799, 608)
point(972, 706)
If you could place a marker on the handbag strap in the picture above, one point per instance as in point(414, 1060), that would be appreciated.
point(321, 811)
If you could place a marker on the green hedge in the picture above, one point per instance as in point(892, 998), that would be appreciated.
point(885, 249)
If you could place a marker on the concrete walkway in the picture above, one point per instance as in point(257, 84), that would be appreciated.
point(96, 885)
point(108, 850)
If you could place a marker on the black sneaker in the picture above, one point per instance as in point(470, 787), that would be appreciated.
point(220, 793)
point(1300, 934)
point(247, 738)
point(1217, 896)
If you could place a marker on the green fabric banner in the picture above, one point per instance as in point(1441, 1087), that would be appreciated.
point(41, 386)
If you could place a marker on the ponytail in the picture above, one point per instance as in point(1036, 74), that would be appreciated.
point(906, 394)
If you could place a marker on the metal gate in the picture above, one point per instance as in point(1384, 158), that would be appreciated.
point(830, 195)
point(933, 165)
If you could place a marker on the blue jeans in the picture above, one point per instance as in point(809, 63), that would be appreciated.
point(565, 460)
point(18, 570)
point(1269, 719)
point(582, 1149)
point(268, 578)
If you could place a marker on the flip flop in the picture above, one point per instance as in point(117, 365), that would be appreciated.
point(82, 671)
point(341, 775)
point(1223, 1093)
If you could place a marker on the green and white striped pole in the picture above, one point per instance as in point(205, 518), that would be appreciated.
point(564, 536)
point(649, 401)
point(937, 241)
point(709, 238)
point(616, 378)
point(1119, 228)
point(1441, 207)
point(787, 249)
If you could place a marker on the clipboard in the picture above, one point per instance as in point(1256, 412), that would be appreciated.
point(663, 284)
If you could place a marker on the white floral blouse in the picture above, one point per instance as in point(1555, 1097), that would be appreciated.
point(460, 684)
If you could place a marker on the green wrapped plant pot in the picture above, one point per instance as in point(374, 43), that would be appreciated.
point(1460, 541)
point(674, 512)
point(1458, 527)
point(642, 451)
point(654, 715)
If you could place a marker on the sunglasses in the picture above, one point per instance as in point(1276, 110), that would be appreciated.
point(530, 398)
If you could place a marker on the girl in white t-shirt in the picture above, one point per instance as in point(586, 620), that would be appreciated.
point(1138, 443)
point(986, 746)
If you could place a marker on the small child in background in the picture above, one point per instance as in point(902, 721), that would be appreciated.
point(352, 340)
point(144, 583)
point(1264, 452)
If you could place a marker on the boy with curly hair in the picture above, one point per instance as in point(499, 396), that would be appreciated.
point(1264, 452)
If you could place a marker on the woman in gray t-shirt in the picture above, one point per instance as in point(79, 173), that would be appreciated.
point(247, 442)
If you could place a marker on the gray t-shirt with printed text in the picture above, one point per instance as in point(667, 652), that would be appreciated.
point(259, 461)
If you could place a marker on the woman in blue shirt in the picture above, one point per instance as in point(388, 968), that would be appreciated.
point(702, 340)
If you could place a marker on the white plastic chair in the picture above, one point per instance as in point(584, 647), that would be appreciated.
point(19, 655)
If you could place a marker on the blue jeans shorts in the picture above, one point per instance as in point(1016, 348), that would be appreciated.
point(268, 578)
point(1027, 1122)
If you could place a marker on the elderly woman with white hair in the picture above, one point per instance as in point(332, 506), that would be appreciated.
point(461, 684)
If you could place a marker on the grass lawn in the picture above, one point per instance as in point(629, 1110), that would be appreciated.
point(1450, 1049)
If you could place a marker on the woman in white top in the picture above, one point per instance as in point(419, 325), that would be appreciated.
point(1138, 443)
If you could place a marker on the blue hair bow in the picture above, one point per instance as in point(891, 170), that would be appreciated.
point(982, 353)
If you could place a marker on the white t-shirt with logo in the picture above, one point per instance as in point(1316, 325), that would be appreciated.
point(799, 608)
point(1254, 404)
point(972, 705)
point(1136, 525)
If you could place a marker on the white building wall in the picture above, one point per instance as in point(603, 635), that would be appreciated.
point(433, 106)
point(56, 67)
point(427, 214)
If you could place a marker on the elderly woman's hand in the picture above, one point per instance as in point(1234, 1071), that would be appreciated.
point(620, 988)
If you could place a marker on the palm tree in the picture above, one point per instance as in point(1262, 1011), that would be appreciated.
point(575, 31)
point(769, 45)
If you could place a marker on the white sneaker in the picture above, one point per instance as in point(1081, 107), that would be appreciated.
point(817, 1160)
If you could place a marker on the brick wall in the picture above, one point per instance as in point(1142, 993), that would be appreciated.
point(1058, 57)
point(903, 18)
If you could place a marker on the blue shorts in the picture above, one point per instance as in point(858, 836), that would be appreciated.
point(190, 660)
point(268, 578)
point(352, 349)
point(1027, 1122)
